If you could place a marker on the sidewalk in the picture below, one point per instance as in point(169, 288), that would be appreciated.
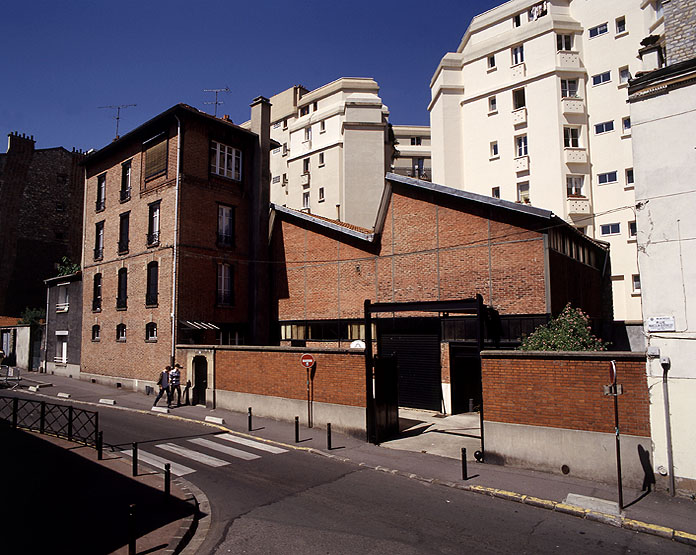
point(433, 456)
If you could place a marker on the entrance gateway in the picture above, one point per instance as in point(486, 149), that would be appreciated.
point(416, 360)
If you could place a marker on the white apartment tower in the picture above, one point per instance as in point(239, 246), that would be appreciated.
point(335, 150)
point(412, 151)
point(532, 107)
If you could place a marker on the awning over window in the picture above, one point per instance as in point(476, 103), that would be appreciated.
point(193, 325)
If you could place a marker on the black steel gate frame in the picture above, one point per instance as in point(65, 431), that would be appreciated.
point(463, 306)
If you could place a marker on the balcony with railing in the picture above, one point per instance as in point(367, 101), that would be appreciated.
point(575, 155)
point(123, 246)
point(225, 240)
point(519, 116)
point(96, 304)
point(573, 105)
point(521, 164)
point(121, 303)
point(151, 299)
point(62, 307)
point(100, 204)
point(568, 59)
point(153, 239)
point(304, 179)
point(98, 253)
point(518, 71)
point(577, 204)
point(125, 194)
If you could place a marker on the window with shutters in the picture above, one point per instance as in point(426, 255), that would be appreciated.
point(156, 156)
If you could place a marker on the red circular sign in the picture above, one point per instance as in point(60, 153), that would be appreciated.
point(307, 360)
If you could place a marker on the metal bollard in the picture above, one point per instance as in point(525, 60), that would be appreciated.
point(131, 530)
point(249, 419)
point(100, 446)
point(328, 436)
point(297, 429)
point(167, 479)
point(465, 474)
point(135, 459)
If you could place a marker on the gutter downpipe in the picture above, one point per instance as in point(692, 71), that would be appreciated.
point(668, 431)
point(176, 235)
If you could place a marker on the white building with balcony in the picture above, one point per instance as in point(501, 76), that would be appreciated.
point(532, 107)
point(412, 151)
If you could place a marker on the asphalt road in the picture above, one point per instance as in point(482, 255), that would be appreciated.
point(297, 502)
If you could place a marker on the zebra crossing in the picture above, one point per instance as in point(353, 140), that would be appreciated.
point(193, 453)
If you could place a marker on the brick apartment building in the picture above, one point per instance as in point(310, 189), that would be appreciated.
point(40, 218)
point(432, 243)
point(176, 215)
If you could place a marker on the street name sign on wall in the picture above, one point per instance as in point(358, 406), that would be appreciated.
point(661, 323)
point(307, 360)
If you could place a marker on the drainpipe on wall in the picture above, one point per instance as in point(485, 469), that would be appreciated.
point(668, 429)
point(45, 349)
point(176, 235)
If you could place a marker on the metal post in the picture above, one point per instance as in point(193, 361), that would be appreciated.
point(369, 399)
point(131, 530)
point(167, 479)
point(249, 419)
point(70, 422)
point(42, 422)
point(297, 429)
point(100, 445)
point(465, 474)
point(615, 393)
point(135, 459)
point(328, 436)
point(309, 404)
point(15, 410)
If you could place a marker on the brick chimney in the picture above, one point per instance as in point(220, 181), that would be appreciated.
point(260, 198)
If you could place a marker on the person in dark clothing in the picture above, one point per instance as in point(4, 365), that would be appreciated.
point(175, 383)
point(164, 384)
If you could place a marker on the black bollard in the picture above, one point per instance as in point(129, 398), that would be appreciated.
point(167, 479)
point(328, 436)
point(100, 445)
point(131, 530)
point(465, 475)
point(297, 429)
point(249, 419)
point(135, 459)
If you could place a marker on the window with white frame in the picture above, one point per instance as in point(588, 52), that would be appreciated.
point(322, 126)
point(601, 78)
point(304, 110)
point(100, 203)
point(225, 161)
point(521, 145)
point(121, 332)
point(61, 347)
point(518, 99)
point(224, 284)
point(569, 88)
point(635, 283)
point(517, 54)
point(225, 225)
point(416, 141)
point(607, 177)
point(63, 302)
point(571, 137)
point(495, 192)
point(99, 240)
point(305, 199)
point(624, 75)
point(564, 42)
point(494, 149)
point(523, 192)
point(626, 125)
point(307, 134)
point(574, 185)
point(620, 25)
point(321, 194)
point(492, 104)
point(629, 176)
point(126, 171)
point(153, 224)
point(610, 229)
point(598, 30)
point(603, 127)
point(151, 331)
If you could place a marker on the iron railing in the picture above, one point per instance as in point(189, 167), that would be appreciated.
point(78, 425)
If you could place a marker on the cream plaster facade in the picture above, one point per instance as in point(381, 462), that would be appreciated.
point(412, 151)
point(532, 107)
point(335, 150)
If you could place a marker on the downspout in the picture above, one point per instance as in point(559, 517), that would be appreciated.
point(176, 236)
point(45, 349)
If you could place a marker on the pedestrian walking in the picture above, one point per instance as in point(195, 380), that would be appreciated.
point(164, 383)
point(175, 383)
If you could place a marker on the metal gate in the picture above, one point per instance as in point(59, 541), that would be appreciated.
point(465, 378)
point(418, 363)
point(386, 402)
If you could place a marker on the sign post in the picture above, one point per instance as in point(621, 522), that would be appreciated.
point(615, 390)
point(307, 360)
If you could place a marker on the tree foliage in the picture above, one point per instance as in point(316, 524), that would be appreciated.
point(569, 331)
point(32, 316)
point(67, 267)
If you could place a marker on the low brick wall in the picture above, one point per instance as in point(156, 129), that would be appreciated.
point(276, 371)
point(547, 410)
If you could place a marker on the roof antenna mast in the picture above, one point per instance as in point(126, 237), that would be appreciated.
point(118, 113)
point(216, 102)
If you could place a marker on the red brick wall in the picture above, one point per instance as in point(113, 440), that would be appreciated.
point(339, 377)
point(565, 391)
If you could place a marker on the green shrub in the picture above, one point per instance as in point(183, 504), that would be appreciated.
point(569, 331)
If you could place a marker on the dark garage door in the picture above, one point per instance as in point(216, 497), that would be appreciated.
point(418, 360)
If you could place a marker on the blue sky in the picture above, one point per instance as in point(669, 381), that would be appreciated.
point(64, 59)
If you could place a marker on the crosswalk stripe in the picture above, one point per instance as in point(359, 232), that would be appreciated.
point(191, 454)
point(251, 443)
point(225, 449)
point(159, 462)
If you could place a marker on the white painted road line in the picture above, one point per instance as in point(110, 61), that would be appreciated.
point(159, 462)
point(251, 443)
point(225, 449)
point(193, 455)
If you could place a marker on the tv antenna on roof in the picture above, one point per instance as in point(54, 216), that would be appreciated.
point(118, 113)
point(216, 102)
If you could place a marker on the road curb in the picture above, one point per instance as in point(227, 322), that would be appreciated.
point(195, 529)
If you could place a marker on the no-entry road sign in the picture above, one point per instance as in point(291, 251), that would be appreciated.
point(307, 360)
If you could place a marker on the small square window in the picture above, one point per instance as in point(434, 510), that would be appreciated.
point(492, 104)
point(620, 25)
point(624, 75)
point(321, 194)
point(151, 331)
point(517, 20)
point(626, 125)
point(604, 127)
point(491, 61)
point(305, 199)
point(523, 192)
point(610, 229)
point(629, 176)
point(601, 78)
point(305, 165)
point(494, 149)
point(308, 134)
point(598, 30)
point(322, 126)
point(495, 192)
point(635, 282)
point(121, 332)
point(632, 230)
point(315, 106)
point(321, 159)
point(416, 141)
point(608, 177)
point(304, 111)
